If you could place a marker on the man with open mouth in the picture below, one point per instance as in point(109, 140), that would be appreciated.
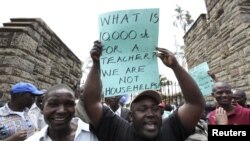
point(146, 114)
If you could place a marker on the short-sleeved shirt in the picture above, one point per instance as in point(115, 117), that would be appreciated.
point(113, 128)
point(240, 116)
point(81, 112)
point(37, 117)
point(11, 122)
point(82, 133)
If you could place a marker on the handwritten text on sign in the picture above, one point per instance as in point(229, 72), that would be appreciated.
point(128, 63)
point(201, 77)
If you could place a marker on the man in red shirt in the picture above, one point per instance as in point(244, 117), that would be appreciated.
point(236, 115)
point(240, 97)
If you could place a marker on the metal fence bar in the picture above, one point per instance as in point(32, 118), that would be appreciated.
point(172, 93)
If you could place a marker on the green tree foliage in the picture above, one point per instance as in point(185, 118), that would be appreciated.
point(182, 18)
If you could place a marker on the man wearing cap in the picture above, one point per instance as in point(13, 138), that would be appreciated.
point(15, 123)
point(35, 112)
point(146, 116)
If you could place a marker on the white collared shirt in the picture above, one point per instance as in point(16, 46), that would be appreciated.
point(37, 117)
point(118, 111)
point(82, 133)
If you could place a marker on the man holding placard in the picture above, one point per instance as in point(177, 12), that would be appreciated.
point(146, 114)
point(126, 61)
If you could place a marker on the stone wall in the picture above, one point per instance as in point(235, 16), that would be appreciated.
point(30, 51)
point(222, 39)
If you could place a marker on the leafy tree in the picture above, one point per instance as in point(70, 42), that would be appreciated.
point(182, 18)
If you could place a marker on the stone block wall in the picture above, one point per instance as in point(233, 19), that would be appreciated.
point(30, 51)
point(221, 38)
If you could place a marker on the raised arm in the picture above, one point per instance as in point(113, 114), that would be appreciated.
point(212, 75)
point(191, 111)
point(93, 87)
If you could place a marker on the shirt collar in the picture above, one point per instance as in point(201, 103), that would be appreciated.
point(80, 126)
point(118, 111)
point(5, 110)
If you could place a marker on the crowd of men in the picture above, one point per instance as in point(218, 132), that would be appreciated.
point(56, 115)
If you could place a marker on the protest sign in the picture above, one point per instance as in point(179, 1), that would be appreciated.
point(201, 77)
point(128, 61)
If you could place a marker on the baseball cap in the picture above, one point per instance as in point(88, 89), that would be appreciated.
point(23, 87)
point(149, 93)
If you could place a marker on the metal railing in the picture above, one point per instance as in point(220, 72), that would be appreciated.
point(171, 93)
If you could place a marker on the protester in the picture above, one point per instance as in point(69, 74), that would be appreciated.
point(167, 110)
point(146, 115)
point(236, 115)
point(114, 104)
point(125, 100)
point(239, 97)
point(210, 106)
point(58, 110)
point(201, 129)
point(201, 132)
point(15, 123)
point(80, 110)
point(36, 114)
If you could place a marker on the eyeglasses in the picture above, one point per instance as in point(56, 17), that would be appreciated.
point(224, 91)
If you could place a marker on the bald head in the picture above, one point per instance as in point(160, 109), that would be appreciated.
point(239, 93)
point(221, 85)
point(58, 87)
point(239, 97)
